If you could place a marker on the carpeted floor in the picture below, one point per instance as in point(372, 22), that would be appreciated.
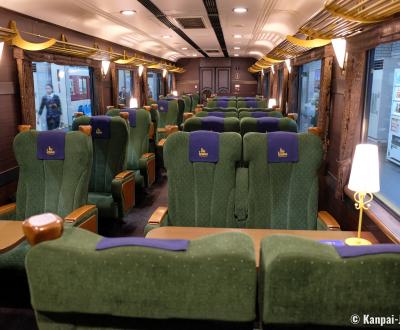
point(132, 225)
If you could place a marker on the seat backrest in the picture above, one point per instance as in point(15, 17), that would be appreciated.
point(188, 103)
point(202, 193)
point(219, 109)
point(222, 103)
point(109, 154)
point(262, 125)
point(259, 114)
point(222, 114)
point(170, 113)
point(195, 100)
point(282, 195)
point(210, 123)
point(138, 125)
point(57, 186)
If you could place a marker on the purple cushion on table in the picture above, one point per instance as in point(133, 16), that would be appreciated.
point(163, 105)
point(101, 127)
point(222, 103)
point(347, 251)
point(259, 114)
point(251, 104)
point(267, 124)
point(204, 146)
point(163, 244)
point(131, 117)
point(283, 147)
point(215, 124)
point(51, 145)
point(216, 114)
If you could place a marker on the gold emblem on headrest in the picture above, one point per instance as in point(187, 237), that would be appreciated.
point(203, 153)
point(282, 153)
point(50, 151)
point(99, 131)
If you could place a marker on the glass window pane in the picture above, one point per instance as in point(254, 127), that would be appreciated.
point(125, 86)
point(154, 85)
point(383, 114)
point(60, 91)
point(309, 94)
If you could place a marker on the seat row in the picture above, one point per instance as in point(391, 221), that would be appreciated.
point(259, 180)
point(210, 282)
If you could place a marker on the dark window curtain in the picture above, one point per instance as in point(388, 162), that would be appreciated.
point(352, 116)
point(136, 87)
point(114, 83)
point(143, 88)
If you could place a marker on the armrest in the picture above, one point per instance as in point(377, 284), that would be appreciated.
point(161, 130)
point(161, 143)
point(147, 166)
point(24, 128)
point(7, 212)
point(42, 227)
point(326, 221)
point(170, 129)
point(187, 115)
point(84, 217)
point(123, 191)
point(158, 216)
point(151, 131)
point(315, 130)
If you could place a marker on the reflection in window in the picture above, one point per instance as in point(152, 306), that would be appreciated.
point(154, 80)
point(60, 91)
point(309, 94)
point(125, 86)
point(383, 114)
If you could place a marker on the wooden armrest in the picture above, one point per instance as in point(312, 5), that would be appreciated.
point(187, 115)
point(154, 106)
point(328, 220)
point(147, 107)
point(158, 215)
point(86, 129)
point(293, 116)
point(8, 208)
point(198, 109)
point(161, 143)
point(78, 114)
point(148, 155)
point(109, 107)
point(123, 175)
point(315, 130)
point(124, 115)
point(122, 106)
point(151, 131)
point(79, 213)
point(170, 129)
point(24, 128)
point(42, 227)
point(161, 130)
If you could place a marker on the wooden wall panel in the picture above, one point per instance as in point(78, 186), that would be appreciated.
point(223, 80)
point(207, 79)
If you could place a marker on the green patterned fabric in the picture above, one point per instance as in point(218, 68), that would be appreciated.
point(207, 113)
point(57, 186)
point(229, 109)
point(304, 282)
point(195, 100)
point(201, 194)
point(231, 124)
point(282, 195)
point(188, 103)
point(214, 103)
point(249, 124)
point(174, 115)
point(262, 103)
point(215, 279)
point(138, 144)
point(109, 159)
point(247, 114)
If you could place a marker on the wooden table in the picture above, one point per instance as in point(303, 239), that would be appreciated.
point(256, 234)
point(11, 234)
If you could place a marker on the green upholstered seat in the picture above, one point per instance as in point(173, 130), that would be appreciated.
point(195, 100)
point(219, 109)
point(173, 115)
point(242, 103)
point(229, 103)
point(139, 158)
point(250, 125)
point(304, 282)
point(188, 103)
point(201, 194)
point(210, 113)
point(231, 124)
point(270, 113)
point(214, 280)
point(56, 186)
point(109, 176)
point(282, 195)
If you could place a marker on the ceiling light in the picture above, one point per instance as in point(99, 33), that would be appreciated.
point(166, 36)
point(140, 70)
point(236, 55)
point(1, 48)
point(288, 65)
point(236, 48)
point(184, 48)
point(237, 36)
point(105, 65)
point(194, 55)
point(129, 12)
point(240, 10)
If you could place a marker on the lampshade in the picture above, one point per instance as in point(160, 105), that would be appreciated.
point(141, 68)
point(364, 176)
point(133, 103)
point(164, 73)
point(271, 103)
point(1, 48)
point(272, 69)
point(339, 47)
point(105, 65)
point(288, 65)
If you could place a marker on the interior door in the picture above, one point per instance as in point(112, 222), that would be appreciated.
point(223, 81)
point(207, 79)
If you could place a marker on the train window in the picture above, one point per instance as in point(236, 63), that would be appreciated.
point(170, 79)
point(382, 124)
point(125, 86)
point(309, 94)
point(60, 91)
point(266, 84)
point(280, 86)
point(154, 80)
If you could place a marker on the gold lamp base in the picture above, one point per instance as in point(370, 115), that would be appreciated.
point(353, 241)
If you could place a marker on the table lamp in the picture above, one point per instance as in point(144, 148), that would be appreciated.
point(364, 180)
